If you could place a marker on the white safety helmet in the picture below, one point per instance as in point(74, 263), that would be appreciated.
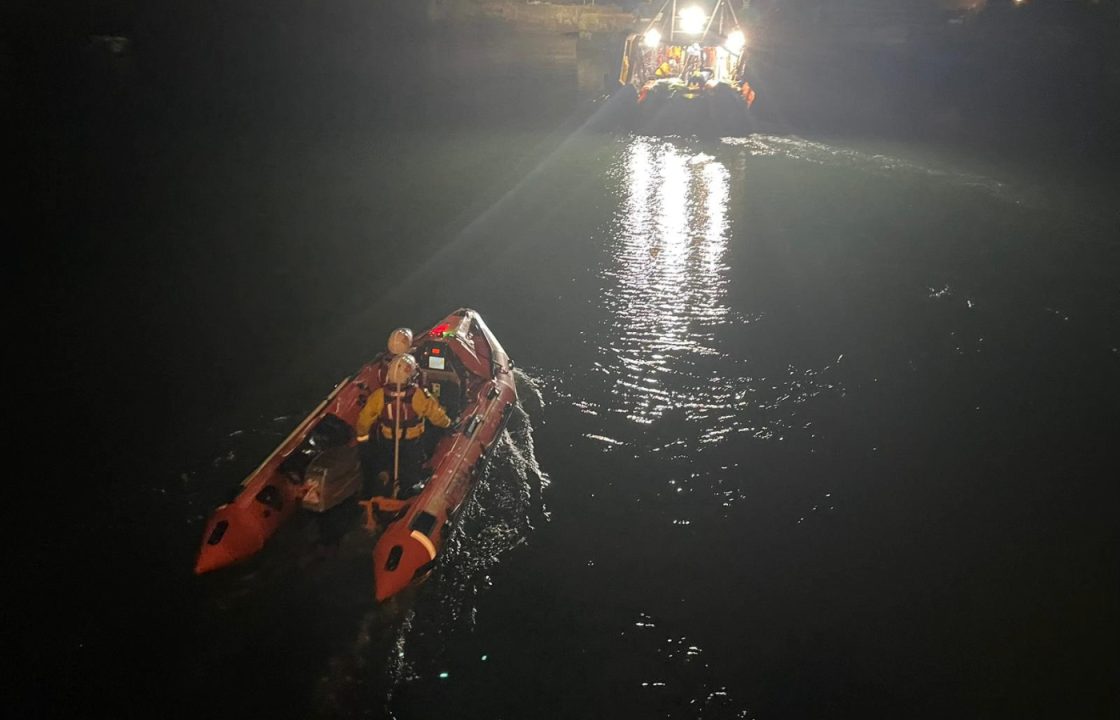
point(400, 340)
point(401, 370)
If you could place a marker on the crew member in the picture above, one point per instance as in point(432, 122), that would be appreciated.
point(400, 340)
point(748, 93)
point(395, 415)
point(667, 68)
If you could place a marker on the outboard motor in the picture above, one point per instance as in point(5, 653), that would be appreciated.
point(332, 477)
point(331, 432)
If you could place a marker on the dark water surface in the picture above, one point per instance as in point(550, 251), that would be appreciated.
point(810, 428)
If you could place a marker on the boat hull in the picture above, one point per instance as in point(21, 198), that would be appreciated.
point(461, 359)
point(712, 112)
point(272, 493)
point(409, 548)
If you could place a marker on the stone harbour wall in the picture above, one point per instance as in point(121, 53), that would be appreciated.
point(538, 16)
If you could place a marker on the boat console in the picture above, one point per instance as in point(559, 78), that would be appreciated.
point(441, 374)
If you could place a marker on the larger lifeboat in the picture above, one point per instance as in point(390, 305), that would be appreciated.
point(464, 366)
point(685, 74)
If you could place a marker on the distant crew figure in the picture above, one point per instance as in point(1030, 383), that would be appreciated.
point(400, 342)
point(668, 68)
point(395, 416)
point(748, 93)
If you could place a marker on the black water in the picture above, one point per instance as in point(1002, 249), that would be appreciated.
point(812, 426)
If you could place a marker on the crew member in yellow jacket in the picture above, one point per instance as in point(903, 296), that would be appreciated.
point(395, 416)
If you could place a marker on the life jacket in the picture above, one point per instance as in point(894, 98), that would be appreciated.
point(410, 422)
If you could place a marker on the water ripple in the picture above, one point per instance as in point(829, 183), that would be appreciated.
point(668, 279)
point(410, 639)
point(820, 153)
point(665, 280)
point(682, 682)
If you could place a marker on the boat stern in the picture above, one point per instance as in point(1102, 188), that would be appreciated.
point(404, 554)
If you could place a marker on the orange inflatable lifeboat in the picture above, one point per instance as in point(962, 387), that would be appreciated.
point(464, 366)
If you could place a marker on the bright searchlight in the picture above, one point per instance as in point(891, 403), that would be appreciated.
point(692, 20)
point(652, 38)
point(736, 41)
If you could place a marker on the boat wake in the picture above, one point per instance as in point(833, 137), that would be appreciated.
point(403, 639)
point(821, 153)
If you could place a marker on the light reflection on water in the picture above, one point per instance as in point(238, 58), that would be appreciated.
point(665, 285)
point(668, 280)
